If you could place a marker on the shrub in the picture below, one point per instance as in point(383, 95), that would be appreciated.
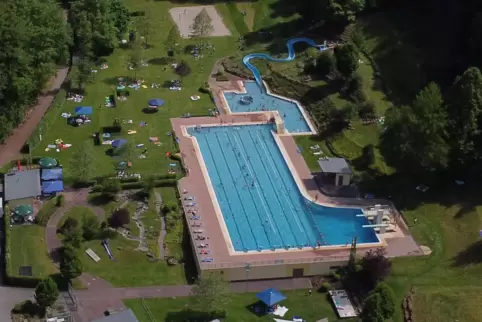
point(90, 227)
point(183, 69)
point(119, 218)
point(69, 223)
point(366, 110)
point(325, 287)
point(387, 298)
point(222, 78)
point(368, 155)
point(45, 213)
point(60, 200)
point(170, 206)
point(172, 261)
point(325, 63)
point(172, 219)
point(317, 282)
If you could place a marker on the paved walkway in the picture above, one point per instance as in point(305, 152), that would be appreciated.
point(10, 148)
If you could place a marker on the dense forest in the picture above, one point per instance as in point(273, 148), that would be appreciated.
point(438, 128)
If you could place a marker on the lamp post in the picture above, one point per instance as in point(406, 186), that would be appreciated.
point(247, 268)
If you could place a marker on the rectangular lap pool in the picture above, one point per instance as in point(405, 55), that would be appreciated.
point(260, 202)
point(256, 100)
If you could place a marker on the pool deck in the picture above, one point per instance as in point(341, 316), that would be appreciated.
point(197, 183)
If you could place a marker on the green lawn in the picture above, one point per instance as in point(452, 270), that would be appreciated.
point(310, 308)
point(29, 249)
point(177, 103)
point(77, 213)
point(130, 267)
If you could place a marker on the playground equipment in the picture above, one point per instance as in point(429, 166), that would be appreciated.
point(105, 243)
point(291, 56)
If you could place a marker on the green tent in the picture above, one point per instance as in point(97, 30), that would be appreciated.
point(47, 162)
point(22, 211)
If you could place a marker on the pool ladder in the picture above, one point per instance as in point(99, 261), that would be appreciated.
point(314, 222)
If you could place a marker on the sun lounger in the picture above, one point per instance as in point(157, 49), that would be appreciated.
point(208, 260)
point(190, 204)
point(198, 231)
point(189, 198)
point(318, 153)
point(140, 145)
point(315, 147)
point(195, 217)
point(131, 132)
point(204, 252)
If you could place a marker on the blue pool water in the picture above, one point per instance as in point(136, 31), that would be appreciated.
point(259, 199)
point(290, 112)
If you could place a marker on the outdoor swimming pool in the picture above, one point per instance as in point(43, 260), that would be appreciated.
point(289, 111)
point(259, 199)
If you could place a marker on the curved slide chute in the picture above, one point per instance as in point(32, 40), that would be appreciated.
point(291, 56)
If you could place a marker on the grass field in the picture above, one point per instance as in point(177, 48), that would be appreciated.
point(29, 249)
point(299, 303)
point(130, 267)
point(177, 103)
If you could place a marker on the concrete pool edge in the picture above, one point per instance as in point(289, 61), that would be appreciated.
point(302, 189)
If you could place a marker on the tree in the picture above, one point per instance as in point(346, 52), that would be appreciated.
point(121, 17)
point(73, 237)
point(387, 300)
point(144, 26)
point(372, 309)
point(90, 227)
point(35, 39)
point(46, 292)
point(149, 185)
point(415, 137)
point(81, 162)
point(71, 267)
point(345, 10)
point(69, 223)
point(464, 103)
point(183, 69)
point(173, 40)
point(346, 59)
point(211, 294)
point(325, 63)
point(134, 59)
point(202, 25)
point(83, 73)
point(119, 218)
point(376, 266)
point(110, 187)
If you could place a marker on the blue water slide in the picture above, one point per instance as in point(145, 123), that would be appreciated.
point(291, 56)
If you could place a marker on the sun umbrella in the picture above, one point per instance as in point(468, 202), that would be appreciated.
point(23, 210)
point(270, 296)
point(47, 162)
point(156, 102)
point(118, 143)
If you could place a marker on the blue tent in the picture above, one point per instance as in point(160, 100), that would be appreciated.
point(49, 187)
point(83, 110)
point(156, 102)
point(51, 174)
point(118, 143)
point(270, 296)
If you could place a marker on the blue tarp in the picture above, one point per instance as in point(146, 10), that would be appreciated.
point(83, 110)
point(270, 296)
point(49, 187)
point(156, 102)
point(51, 174)
point(118, 143)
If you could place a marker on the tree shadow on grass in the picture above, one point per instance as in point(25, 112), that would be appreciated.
point(99, 200)
point(161, 61)
point(469, 256)
point(110, 80)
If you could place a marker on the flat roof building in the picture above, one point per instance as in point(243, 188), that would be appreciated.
point(337, 168)
point(22, 184)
